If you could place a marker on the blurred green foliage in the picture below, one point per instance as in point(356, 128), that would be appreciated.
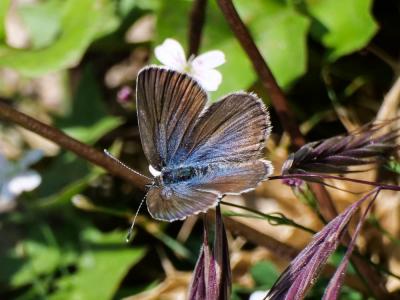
point(61, 31)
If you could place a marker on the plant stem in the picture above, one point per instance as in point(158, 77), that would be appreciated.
point(273, 219)
point(98, 158)
point(382, 186)
point(278, 248)
point(196, 23)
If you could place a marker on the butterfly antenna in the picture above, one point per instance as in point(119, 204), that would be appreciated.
point(129, 235)
point(117, 160)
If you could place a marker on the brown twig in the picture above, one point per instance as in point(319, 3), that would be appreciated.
point(8, 113)
point(196, 23)
point(288, 122)
point(259, 238)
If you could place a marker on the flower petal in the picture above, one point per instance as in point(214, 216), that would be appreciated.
point(209, 60)
point(171, 54)
point(24, 182)
point(258, 295)
point(209, 79)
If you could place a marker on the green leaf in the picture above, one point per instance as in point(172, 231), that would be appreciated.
point(125, 6)
point(87, 105)
point(81, 22)
point(237, 72)
point(4, 4)
point(393, 165)
point(342, 26)
point(41, 259)
point(279, 31)
point(69, 191)
point(36, 256)
point(80, 261)
point(43, 22)
point(64, 171)
point(90, 134)
point(264, 274)
point(101, 267)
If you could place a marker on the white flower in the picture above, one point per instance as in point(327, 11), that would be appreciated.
point(16, 178)
point(258, 295)
point(202, 67)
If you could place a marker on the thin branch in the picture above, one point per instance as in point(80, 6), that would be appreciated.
point(385, 57)
point(259, 238)
point(326, 176)
point(273, 218)
point(98, 158)
point(196, 23)
point(267, 79)
point(325, 203)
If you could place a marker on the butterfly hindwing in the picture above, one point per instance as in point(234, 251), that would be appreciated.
point(233, 178)
point(177, 201)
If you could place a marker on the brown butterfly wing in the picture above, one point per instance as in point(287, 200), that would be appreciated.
point(168, 105)
point(232, 130)
point(177, 201)
point(230, 137)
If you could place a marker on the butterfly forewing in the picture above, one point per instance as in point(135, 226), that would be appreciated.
point(233, 129)
point(168, 105)
point(229, 138)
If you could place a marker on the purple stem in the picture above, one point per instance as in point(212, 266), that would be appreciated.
point(382, 186)
point(333, 289)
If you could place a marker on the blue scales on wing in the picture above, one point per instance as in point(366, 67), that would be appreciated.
point(202, 153)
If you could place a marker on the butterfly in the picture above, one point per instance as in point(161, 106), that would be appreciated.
point(197, 154)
